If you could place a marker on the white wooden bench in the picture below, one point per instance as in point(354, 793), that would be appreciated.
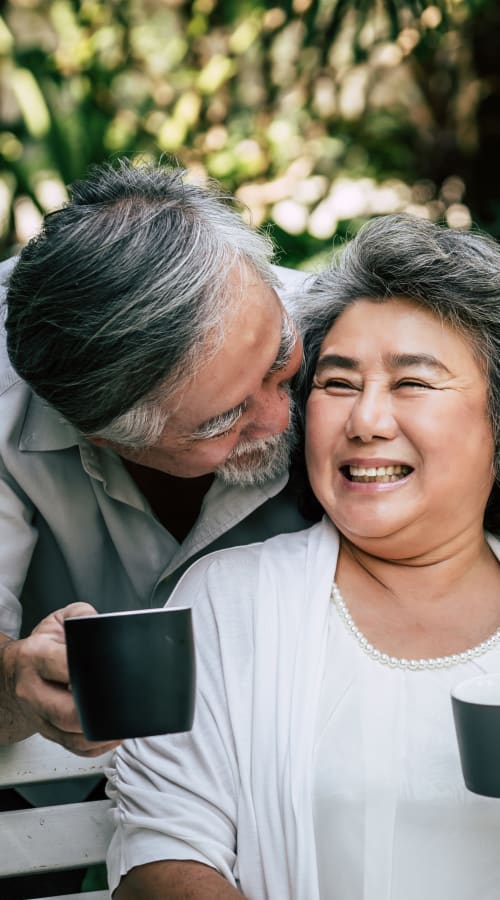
point(51, 838)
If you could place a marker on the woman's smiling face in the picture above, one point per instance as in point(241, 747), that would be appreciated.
point(399, 444)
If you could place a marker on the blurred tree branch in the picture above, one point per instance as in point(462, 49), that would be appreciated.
point(317, 113)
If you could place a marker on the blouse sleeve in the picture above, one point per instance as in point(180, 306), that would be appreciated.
point(176, 796)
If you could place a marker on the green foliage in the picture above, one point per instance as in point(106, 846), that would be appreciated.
point(317, 113)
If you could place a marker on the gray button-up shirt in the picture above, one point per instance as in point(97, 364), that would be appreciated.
point(74, 525)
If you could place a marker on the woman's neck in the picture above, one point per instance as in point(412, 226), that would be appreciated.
point(432, 604)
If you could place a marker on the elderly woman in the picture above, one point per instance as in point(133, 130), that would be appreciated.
point(323, 761)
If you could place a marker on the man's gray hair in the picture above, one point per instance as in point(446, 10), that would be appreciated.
point(453, 273)
point(124, 294)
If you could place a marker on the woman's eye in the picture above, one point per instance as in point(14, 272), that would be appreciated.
point(335, 384)
point(412, 383)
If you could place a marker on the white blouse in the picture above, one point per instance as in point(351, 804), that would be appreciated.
point(392, 817)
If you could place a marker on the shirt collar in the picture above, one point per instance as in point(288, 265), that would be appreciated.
point(224, 506)
point(45, 429)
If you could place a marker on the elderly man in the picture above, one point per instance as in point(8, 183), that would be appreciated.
point(144, 416)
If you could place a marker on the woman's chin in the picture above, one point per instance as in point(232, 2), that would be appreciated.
point(378, 536)
point(365, 524)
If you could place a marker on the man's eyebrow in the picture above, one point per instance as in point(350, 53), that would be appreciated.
point(220, 422)
point(394, 360)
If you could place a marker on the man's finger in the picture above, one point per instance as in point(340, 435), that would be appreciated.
point(54, 623)
point(76, 741)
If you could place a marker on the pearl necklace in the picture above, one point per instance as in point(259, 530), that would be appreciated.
point(439, 662)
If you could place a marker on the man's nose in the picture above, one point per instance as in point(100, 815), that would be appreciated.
point(272, 405)
point(271, 413)
point(372, 416)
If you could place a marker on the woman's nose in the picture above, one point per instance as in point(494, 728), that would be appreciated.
point(372, 416)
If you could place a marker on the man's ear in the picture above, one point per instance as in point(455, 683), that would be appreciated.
point(99, 442)
point(104, 442)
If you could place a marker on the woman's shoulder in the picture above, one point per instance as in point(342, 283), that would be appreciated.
point(236, 572)
point(243, 562)
point(279, 549)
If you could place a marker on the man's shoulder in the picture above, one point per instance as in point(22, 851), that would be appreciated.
point(25, 421)
point(290, 279)
point(6, 267)
point(293, 283)
point(8, 376)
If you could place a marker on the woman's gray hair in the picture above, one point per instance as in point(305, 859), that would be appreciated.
point(455, 274)
point(124, 294)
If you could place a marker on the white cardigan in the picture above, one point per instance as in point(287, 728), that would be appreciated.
point(244, 776)
point(244, 771)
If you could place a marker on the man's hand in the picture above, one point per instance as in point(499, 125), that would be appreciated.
point(34, 686)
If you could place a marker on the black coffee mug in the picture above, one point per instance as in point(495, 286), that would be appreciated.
point(132, 673)
point(476, 712)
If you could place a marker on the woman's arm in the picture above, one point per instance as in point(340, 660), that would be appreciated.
point(176, 797)
point(175, 880)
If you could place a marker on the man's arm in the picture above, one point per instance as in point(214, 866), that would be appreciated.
point(34, 690)
point(175, 880)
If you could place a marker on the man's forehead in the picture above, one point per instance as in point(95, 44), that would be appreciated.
point(243, 277)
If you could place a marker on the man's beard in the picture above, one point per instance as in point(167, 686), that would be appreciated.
point(255, 462)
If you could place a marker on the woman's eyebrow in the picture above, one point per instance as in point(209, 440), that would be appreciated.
point(393, 360)
point(335, 360)
point(408, 360)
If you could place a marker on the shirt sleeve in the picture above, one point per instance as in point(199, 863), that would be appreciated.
point(18, 537)
point(176, 797)
point(17, 534)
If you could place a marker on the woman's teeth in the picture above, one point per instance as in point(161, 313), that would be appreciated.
point(381, 474)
